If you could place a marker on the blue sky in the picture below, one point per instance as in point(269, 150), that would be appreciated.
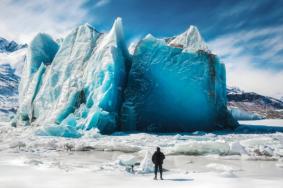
point(246, 35)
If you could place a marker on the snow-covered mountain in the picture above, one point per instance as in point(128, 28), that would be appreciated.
point(91, 81)
point(12, 57)
point(10, 46)
point(250, 105)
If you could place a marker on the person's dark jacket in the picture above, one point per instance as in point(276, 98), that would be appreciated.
point(158, 157)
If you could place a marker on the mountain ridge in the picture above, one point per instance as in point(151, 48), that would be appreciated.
point(10, 46)
point(259, 106)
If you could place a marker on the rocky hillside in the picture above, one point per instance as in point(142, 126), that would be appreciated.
point(258, 106)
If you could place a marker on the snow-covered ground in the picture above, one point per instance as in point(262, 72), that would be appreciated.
point(94, 169)
point(197, 160)
point(263, 122)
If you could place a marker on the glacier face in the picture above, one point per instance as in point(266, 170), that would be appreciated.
point(10, 46)
point(41, 52)
point(172, 90)
point(90, 81)
point(80, 88)
point(8, 90)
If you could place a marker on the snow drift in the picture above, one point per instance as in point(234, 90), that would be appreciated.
point(89, 81)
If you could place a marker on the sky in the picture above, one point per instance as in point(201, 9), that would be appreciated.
point(247, 35)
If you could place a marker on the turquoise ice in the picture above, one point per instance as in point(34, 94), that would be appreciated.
point(89, 81)
point(180, 87)
point(81, 88)
point(41, 52)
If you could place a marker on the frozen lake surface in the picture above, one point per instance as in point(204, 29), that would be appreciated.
point(96, 169)
point(197, 160)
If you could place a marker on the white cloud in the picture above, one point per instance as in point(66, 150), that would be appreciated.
point(250, 78)
point(21, 20)
point(101, 3)
point(238, 8)
point(245, 69)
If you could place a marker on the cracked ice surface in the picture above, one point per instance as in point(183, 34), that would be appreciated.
point(243, 146)
point(241, 160)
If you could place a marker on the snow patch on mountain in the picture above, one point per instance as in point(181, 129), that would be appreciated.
point(15, 59)
point(10, 46)
point(12, 58)
point(250, 105)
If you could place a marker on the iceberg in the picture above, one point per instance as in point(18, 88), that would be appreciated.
point(170, 89)
point(89, 80)
point(80, 87)
point(241, 114)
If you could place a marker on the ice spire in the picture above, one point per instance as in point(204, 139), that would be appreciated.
point(115, 35)
point(190, 40)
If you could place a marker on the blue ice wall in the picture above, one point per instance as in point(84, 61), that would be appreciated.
point(90, 82)
point(81, 89)
point(170, 90)
point(41, 53)
point(42, 49)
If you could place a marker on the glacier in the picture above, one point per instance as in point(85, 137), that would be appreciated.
point(180, 87)
point(77, 87)
point(89, 80)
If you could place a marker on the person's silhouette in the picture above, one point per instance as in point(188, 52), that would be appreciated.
point(157, 159)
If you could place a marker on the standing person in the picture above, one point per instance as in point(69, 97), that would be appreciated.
point(157, 159)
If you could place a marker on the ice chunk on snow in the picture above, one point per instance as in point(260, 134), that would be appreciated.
point(127, 160)
point(221, 167)
point(257, 141)
point(200, 148)
point(266, 150)
point(228, 174)
point(237, 148)
point(224, 170)
point(146, 165)
point(243, 115)
point(57, 130)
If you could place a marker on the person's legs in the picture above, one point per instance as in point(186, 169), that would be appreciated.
point(155, 171)
point(160, 170)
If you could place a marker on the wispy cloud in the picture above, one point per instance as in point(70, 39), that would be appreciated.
point(101, 3)
point(249, 35)
point(239, 7)
point(253, 59)
point(21, 20)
